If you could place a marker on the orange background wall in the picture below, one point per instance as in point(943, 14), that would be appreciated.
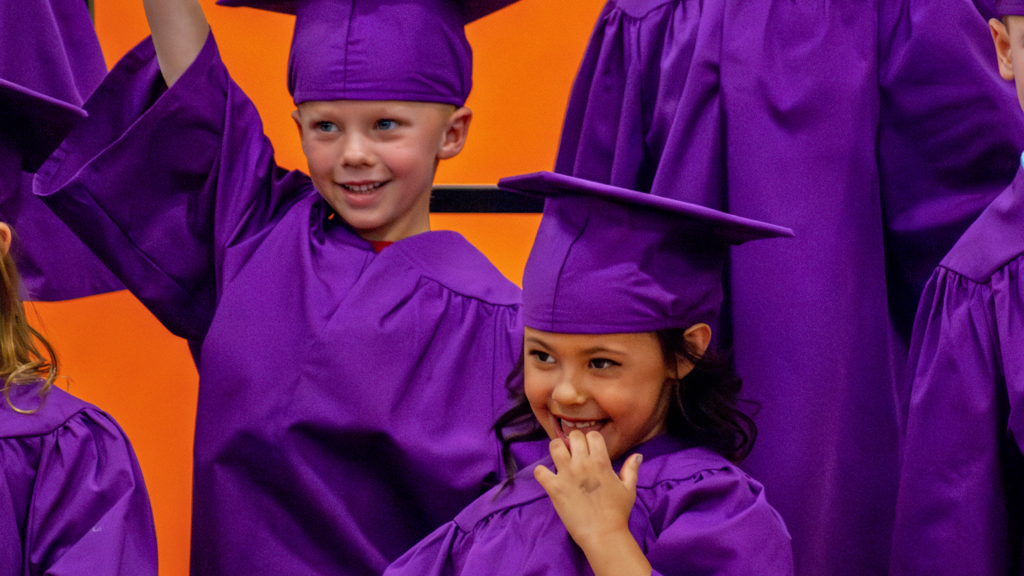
point(116, 355)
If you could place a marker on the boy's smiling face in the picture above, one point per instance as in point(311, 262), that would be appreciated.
point(374, 161)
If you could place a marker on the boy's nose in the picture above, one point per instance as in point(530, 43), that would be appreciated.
point(356, 152)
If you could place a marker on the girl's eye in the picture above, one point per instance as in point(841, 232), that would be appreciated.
point(602, 363)
point(541, 356)
point(326, 126)
point(385, 124)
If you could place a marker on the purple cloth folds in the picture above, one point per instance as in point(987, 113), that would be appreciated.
point(48, 48)
point(345, 397)
point(961, 493)
point(695, 513)
point(870, 134)
point(72, 499)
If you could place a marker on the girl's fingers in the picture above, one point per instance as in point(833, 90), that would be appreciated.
point(598, 448)
point(578, 444)
point(630, 471)
point(543, 475)
point(559, 453)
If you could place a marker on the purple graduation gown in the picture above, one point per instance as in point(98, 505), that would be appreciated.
point(695, 513)
point(49, 47)
point(960, 509)
point(345, 397)
point(870, 133)
point(72, 499)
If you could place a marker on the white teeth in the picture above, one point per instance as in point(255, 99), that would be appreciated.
point(362, 188)
point(587, 424)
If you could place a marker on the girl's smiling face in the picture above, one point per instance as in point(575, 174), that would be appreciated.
point(616, 384)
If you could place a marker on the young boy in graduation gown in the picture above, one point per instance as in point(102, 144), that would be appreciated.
point(878, 133)
point(960, 508)
point(49, 58)
point(347, 386)
point(72, 497)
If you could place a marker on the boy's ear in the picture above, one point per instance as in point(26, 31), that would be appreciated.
point(455, 133)
point(298, 121)
point(1001, 38)
point(5, 239)
point(699, 338)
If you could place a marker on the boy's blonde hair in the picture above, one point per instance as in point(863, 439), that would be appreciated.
point(20, 360)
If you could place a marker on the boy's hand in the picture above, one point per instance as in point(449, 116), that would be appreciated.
point(594, 503)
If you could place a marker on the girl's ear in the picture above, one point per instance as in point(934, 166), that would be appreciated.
point(1001, 38)
point(699, 338)
point(455, 133)
point(5, 239)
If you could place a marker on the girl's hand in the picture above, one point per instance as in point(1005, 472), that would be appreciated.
point(594, 503)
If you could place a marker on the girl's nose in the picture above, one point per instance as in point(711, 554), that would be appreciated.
point(568, 392)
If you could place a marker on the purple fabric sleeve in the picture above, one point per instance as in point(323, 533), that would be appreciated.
point(951, 512)
point(158, 182)
point(722, 525)
point(72, 498)
point(961, 501)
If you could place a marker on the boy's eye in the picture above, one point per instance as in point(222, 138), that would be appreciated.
point(385, 124)
point(602, 363)
point(326, 126)
point(542, 356)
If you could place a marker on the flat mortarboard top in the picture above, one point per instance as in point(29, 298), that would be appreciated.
point(1010, 7)
point(36, 123)
point(610, 260)
point(411, 50)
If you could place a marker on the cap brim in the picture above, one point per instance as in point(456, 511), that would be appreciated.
point(282, 6)
point(475, 9)
point(729, 228)
point(37, 122)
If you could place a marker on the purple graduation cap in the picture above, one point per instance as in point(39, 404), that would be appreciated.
point(612, 260)
point(412, 50)
point(1010, 7)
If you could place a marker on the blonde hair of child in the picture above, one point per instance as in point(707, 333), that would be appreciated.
point(20, 360)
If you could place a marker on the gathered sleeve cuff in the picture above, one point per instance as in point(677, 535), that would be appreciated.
point(89, 511)
point(951, 506)
point(715, 522)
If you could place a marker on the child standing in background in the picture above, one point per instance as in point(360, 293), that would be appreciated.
point(72, 498)
point(614, 369)
point(961, 493)
point(878, 132)
point(351, 361)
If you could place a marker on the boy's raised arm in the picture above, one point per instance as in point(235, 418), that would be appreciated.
point(179, 30)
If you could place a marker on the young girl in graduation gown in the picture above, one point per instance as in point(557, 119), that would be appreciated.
point(346, 386)
point(72, 499)
point(618, 295)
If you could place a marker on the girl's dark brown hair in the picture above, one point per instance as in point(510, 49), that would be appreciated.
point(20, 360)
point(703, 409)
